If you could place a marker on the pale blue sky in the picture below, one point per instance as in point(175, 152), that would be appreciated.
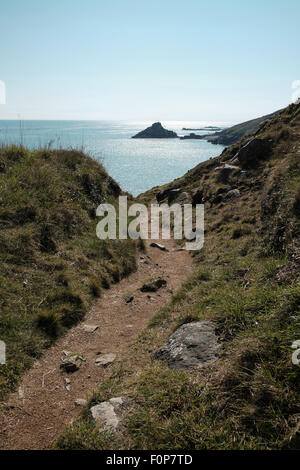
point(219, 60)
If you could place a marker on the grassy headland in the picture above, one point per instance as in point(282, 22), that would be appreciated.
point(246, 280)
point(235, 133)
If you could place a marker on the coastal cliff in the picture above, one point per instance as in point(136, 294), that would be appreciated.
point(233, 134)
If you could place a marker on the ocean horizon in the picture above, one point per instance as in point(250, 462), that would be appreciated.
point(136, 164)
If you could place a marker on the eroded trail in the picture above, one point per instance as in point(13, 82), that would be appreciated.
point(36, 414)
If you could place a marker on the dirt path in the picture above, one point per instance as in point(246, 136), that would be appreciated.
point(37, 413)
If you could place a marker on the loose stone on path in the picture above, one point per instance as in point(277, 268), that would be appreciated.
point(105, 359)
point(90, 328)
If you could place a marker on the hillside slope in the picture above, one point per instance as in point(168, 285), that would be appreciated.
point(52, 264)
point(233, 134)
point(246, 282)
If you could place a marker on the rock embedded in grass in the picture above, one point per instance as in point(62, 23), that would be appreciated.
point(190, 346)
point(232, 194)
point(109, 413)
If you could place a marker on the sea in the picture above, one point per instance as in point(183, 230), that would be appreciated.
point(136, 164)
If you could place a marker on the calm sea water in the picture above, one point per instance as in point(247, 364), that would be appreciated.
point(137, 164)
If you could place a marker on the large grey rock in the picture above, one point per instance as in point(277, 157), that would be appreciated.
point(182, 197)
point(254, 151)
point(156, 131)
point(232, 194)
point(190, 346)
point(109, 413)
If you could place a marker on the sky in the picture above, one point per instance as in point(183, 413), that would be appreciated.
point(212, 60)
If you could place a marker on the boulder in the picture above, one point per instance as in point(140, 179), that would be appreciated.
point(233, 193)
point(191, 346)
point(156, 131)
point(153, 286)
point(109, 413)
point(255, 150)
point(182, 197)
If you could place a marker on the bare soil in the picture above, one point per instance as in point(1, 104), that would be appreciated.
point(36, 414)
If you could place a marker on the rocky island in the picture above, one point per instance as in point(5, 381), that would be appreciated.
point(192, 135)
point(156, 131)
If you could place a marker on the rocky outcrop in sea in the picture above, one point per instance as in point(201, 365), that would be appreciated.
point(156, 131)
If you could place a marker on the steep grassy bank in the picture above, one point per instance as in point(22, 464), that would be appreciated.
point(246, 280)
point(235, 133)
point(52, 265)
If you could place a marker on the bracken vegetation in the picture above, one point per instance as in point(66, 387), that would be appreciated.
point(52, 265)
point(246, 280)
